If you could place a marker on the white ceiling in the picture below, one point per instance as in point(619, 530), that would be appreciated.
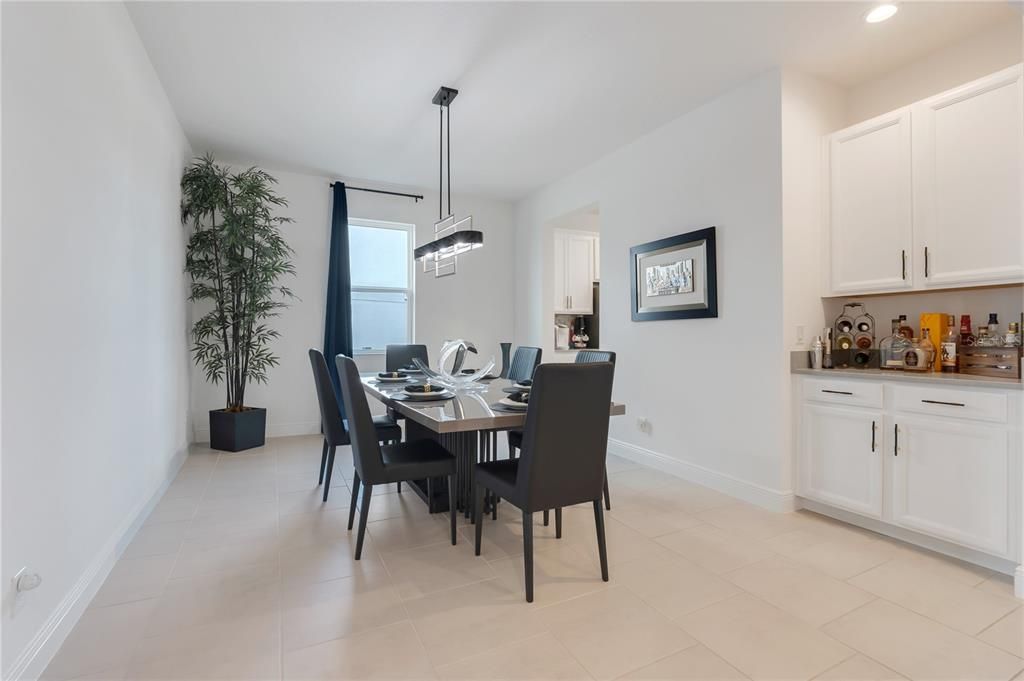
point(344, 88)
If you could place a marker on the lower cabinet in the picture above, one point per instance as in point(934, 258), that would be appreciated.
point(951, 479)
point(842, 458)
point(953, 474)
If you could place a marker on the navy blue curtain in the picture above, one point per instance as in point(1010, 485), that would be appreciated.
point(338, 326)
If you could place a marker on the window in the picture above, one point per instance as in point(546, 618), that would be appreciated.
point(380, 255)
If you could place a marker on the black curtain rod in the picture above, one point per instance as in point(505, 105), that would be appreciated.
point(417, 197)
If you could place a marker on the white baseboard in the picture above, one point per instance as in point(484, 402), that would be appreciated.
point(775, 500)
point(202, 435)
point(39, 652)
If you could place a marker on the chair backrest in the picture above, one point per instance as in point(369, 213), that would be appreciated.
point(330, 413)
point(361, 433)
point(591, 356)
point(399, 356)
point(565, 438)
point(524, 362)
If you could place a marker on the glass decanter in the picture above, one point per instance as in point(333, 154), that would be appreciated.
point(892, 348)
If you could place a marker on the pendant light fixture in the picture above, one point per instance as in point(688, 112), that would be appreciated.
point(452, 237)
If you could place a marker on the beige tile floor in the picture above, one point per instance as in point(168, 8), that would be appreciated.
point(242, 573)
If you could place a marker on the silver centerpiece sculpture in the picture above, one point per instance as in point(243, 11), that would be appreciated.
point(454, 379)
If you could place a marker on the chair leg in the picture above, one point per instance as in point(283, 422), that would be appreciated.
point(602, 545)
point(478, 515)
point(528, 554)
point(364, 510)
point(547, 518)
point(400, 487)
point(355, 497)
point(451, 505)
point(494, 506)
point(430, 495)
point(607, 496)
point(558, 523)
point(323, 463)
point(330, 469)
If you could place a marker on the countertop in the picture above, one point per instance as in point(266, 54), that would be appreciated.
point(954, 380)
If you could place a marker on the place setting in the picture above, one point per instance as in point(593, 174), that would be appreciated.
point(423, 392)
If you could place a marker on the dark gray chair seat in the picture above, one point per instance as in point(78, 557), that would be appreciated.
point(414, 461)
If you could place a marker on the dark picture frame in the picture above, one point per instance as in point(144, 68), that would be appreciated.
point(704, 271)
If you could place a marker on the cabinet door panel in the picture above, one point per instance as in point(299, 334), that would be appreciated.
point(837, 464)
point(580, 269)
point(967, 146)
point(870, 221)
point(951, 480)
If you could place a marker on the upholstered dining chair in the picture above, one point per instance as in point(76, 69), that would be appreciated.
point(515, 437)
point(400, 356)
point(376, 465)
point(563, 455)
point(524, 362)
point(334, 426)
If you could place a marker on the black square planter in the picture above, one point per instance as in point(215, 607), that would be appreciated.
point(233, 431)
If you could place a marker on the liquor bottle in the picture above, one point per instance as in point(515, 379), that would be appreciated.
point(966, 337)
point(915, 358)
point(993, 329)
point(928, 347)
point(892, 348)
point(984, 340)
point(905, 330)
point(949, 347)
point(1013, 338)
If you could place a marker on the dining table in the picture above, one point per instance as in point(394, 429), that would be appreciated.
point(467, 425)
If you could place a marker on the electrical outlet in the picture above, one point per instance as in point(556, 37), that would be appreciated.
point(643, 425)
point(800, 334)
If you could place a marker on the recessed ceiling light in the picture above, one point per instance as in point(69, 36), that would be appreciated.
point(881, 13)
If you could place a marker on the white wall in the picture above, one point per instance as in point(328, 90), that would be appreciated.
point(477, 303)
point(978, 55)
point(95, 373)
point(692, 379)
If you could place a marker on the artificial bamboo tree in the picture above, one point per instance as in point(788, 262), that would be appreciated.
point(235, 258)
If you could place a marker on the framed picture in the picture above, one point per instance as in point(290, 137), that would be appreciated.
point(674, 278)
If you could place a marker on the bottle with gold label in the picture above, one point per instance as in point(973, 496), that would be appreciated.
point(1013, 338)
point(948, 348)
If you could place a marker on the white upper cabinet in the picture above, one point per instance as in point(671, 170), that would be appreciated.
point(929, 196)
point(871, 211)
point(574, 273)
point(967, 183)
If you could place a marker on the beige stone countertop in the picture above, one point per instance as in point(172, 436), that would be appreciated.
point(931, 377)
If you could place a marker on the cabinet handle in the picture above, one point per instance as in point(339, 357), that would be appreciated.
point(903, 260)
point(896, 440)
point(926, 261)
point(872, 436)
point(948, 404)
point(836, 392)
